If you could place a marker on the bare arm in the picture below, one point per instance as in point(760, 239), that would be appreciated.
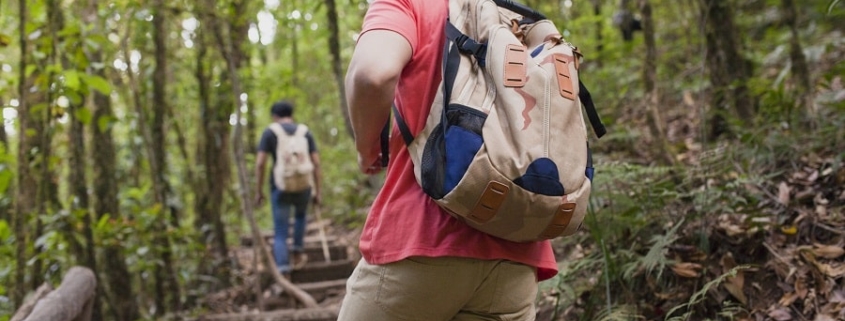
point(260, 164)
point(315, 159)
point(371, 79)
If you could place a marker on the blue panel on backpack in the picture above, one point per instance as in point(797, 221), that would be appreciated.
point(537, 50)
point(590, 172)
point(461, 147)
point(541, 177)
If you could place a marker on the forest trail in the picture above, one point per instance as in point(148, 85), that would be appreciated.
point(324, 279)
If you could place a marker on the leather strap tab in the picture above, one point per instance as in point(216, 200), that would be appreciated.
point(516, 73)
point(489, 202)
point(560, 221)
point(564, 78)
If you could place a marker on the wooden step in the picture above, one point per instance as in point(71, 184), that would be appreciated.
point(336, 253)
point(315, 314)
point(309, 240)
point(322, 271)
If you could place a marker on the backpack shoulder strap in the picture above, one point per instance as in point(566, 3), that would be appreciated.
point(301, 130)
point(277, 129)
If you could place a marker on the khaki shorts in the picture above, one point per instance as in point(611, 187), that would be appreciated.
point(435, 289)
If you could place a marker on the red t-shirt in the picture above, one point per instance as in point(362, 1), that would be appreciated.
point(403, 220)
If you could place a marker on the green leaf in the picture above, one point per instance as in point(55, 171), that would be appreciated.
point(98, 83)
point(104, 122)
point(83, 115)
point(5, 231)
point(5, 180)
point(833, 3)
point(72, 79)
point(4, 40)
point(74, 97)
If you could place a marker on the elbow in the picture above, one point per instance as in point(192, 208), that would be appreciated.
point(367, 79)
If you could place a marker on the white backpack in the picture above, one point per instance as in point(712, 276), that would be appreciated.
point(504, 147)
point(293, 169)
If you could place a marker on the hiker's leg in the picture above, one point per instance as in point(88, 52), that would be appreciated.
point(281, 215)
point(417, 288)
point(507, 293)
point(300, 202)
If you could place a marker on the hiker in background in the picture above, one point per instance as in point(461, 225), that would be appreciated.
point(420, 263)
point(294, 181)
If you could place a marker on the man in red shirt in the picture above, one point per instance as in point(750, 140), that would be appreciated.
point(420, 263)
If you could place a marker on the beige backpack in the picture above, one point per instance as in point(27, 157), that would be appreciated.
point(293, 169)
point(505, 144)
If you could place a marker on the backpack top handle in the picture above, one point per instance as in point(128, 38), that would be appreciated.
point(520, 9)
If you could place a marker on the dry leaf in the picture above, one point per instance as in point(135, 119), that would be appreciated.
point(828, 251)
point(687, 270)
point(731, 229)
point(788, 299)
point(734, 284)
point(831, 270)
point(688, 100)
point(781, 314)
point(813, 176)
point(822, 317)
point(783, 194)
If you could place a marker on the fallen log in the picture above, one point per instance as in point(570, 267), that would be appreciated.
point(313, 314)
point(71, 301)
point(29, 304)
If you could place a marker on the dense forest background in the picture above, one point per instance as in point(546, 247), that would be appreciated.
point(129, 130)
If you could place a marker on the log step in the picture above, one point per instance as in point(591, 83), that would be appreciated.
point(336, 253)
point(316, 314)
point(322, 271)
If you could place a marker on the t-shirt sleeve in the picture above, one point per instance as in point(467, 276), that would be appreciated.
point(312, 145)
point(267, 143)
point(395, 15)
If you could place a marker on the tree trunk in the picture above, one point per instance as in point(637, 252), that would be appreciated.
point(27, 188)
point(655, 120)
point(337, 61)
point(76, 134)
point(294, 42)
point(213, 151)
point(71, 301)
point(168, 294)
point(118, 279)
point(599, 27)
point(728, 70)
point(800, 69)
point(4, 140)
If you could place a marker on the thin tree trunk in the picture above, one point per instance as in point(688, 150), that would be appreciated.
point(294, 41)
point(599, 28)
point(655, 120)
point(26, 184)
point(4, 141)
point(168, 294)
point(213, 151)
point(76, 134)
point(118, 279)
point(729, 71)
point(337, 61)
point(800, 69)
